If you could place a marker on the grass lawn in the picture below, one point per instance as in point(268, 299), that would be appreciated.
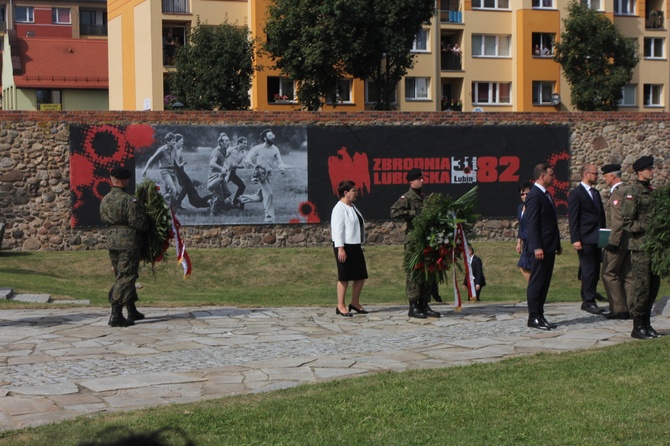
point(260, 277)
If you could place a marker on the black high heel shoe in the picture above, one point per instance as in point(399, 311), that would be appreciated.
point(337, 311)
point(352, 308)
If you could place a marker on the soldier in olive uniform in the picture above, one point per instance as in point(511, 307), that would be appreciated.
point(637, 211)
point(616, 270)
point(125, 221)
point(407, 207)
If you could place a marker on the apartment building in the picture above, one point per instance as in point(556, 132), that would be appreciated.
point(475, 55)
point(54, 54)
point(506, 48)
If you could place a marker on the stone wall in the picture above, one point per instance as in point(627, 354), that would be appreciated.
point(34, 169)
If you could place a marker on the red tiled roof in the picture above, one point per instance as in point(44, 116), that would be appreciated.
point(61, 63)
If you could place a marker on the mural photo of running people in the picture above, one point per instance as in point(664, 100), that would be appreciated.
point(210, 175)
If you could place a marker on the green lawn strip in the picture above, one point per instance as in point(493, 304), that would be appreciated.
point(261, 277)
point(614, 395)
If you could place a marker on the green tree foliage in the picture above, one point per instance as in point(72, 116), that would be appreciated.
point(658, 233)
point(381, 34)
point(317, 42)
point(305, 39)
point(596, 58)
point(215, 67)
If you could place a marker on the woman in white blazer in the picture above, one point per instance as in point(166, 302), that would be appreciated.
point(347, 229)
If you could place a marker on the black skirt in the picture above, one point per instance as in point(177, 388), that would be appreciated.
point(354, 267)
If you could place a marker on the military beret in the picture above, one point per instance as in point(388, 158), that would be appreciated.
point(609, 168)
point(120, 173)
point(642, 163)
point(414, 174)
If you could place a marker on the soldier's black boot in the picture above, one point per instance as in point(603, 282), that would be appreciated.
point(639, 331)
point(117, 319)
point(415, 310)
point(427, 310)
point(647, 326)
point(133, 314)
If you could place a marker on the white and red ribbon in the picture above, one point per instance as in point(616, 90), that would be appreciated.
point(180, 247)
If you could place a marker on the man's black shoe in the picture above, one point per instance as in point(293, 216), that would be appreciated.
point(623, 315)
point(549, 324)
point(415, 311)
point(653, 333)
point(539, 323)
point(640, 333)
point(591, 307)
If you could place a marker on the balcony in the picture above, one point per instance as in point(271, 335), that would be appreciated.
point(451, 11)
point(175, 7)
point(92, 30)
point(655, 19)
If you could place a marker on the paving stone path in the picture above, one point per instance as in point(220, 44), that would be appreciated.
point(58, 364)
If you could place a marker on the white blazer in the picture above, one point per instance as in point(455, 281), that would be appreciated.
point(345, 226)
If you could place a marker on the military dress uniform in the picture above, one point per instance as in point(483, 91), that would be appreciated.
point(407, 207)
point(637, 211)
point(617, 275)
point(125, 221)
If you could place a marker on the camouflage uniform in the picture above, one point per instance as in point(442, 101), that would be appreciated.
point(407, 207)
point(616, 270)
point(124, 219)
point(637, 211)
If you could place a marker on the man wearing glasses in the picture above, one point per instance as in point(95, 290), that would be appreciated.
point(586, 216)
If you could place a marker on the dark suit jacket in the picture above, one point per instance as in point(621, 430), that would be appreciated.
point(541, 222)
point(477, 272)
point(584, 216)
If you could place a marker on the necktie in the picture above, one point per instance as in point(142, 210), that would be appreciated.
point(549, 196)
point(594, 196)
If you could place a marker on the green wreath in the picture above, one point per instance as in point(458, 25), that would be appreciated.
point(431, 243)
point(156, 240)
point(658, 232)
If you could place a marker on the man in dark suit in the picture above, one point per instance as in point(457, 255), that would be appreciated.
point(586, 216)
point(477, 270)
point(544, 241)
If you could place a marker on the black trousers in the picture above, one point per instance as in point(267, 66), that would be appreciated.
point(589, 265)
point(538, 285)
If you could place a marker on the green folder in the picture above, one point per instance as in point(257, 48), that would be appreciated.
point(604, 237)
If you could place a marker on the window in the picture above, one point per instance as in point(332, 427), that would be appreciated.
point(541, 4)
point(342, 91)
point(24, 14)
point(416, 87)
point(653, 95)
point(371, 96)
point(624, 7)
point(92, 22)
point(628, 95)
point(490, 46)
point(280, 89)
point(543, 44)
point(491, 93)
point(653, 48)
point(593, 4)
point(60, 16)
point(542, 91)
point(45, 99)
point(421, 41)
point(490, 4)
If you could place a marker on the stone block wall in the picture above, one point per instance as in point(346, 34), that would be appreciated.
point(34, 169)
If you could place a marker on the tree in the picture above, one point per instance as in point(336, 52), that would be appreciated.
point(214, 70)
point(318, 42)
point(596, 58)
point(305, 41)
point(382, 33)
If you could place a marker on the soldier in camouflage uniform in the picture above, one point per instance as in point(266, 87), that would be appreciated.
point(616, 270)
point(407, 207)
point(125, 220)
point(637, 211)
